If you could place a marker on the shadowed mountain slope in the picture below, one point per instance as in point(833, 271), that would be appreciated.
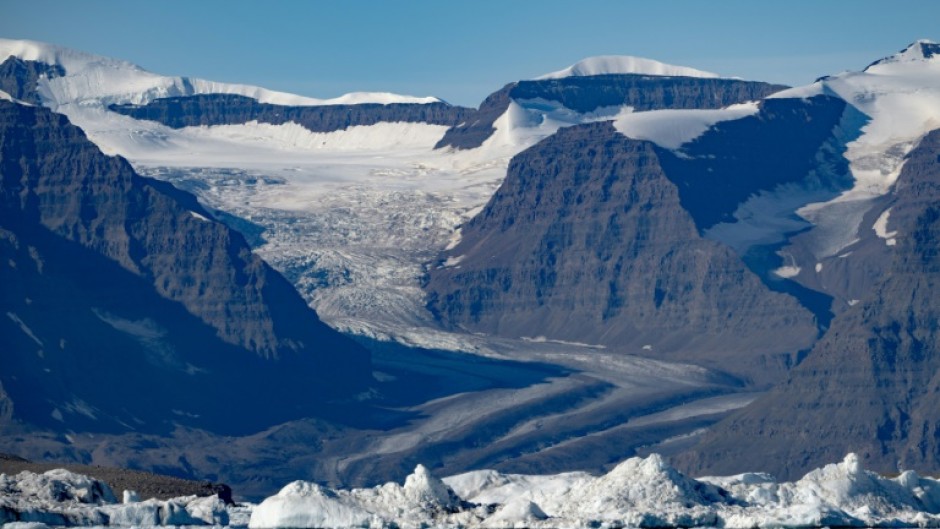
point(870, 385)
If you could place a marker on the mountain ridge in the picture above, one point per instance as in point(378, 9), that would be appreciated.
point(868, 385)
point(63, 201)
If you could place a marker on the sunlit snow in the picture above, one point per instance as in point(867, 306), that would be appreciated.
point(672, 128)
point(100, 79)
point(901, 96)
point(638, 492)
point(624, 64)
point(881, 228)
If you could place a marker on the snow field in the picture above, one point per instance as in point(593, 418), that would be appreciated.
point(673, 128)
point(901, 97)
point(92, 78)
point(624, 64)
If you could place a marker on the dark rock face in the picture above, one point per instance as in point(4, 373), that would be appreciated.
point(722, 168)
point(18, 77)
point(929, 49)
point(479, 124)
point(643, 92)
point(227, 109)
point(587, 241)
point(587, 94)
point(124, 301)
point(796, 143)
point(870, 385)
point(6, 406)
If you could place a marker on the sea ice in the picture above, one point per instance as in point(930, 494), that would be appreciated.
point(62, 498)
point(639, 492)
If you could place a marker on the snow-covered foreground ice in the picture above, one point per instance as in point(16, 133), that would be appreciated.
point(640, 492)
point(62, 498)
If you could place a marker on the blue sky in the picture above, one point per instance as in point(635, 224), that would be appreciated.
point(462, 51)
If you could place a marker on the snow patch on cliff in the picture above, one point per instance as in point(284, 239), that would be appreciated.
point(673, 128)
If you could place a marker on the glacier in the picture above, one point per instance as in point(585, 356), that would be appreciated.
point(639, 492)
point(326, 201)
point(350, 216)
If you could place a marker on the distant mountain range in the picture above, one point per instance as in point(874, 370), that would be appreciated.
point(771, 237)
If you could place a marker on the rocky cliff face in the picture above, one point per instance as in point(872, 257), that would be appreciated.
point(478, 126)
point(18, 78)
point(781, 144)
point(587, 94)
point(587, 241)
point(643, 92)
point(870, 385)
point(790, 153)
point(225, 109)
point(124, 296)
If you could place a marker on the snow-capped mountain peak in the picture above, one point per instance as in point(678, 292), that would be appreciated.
point(93, 78)
point(72, 60)
point(919, 50)
point(899, 97)
point(624, 64)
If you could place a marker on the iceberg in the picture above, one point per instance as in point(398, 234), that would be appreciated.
point(62, 498)
point(638, 492)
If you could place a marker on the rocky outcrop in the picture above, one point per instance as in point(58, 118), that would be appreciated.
point(478, 126)
point(146, 484)
point(871, 384)
point(125, 300)
point(19, 78)
point(587, 94)
point(587, 241)
point(6, 406)
point(227, 109)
